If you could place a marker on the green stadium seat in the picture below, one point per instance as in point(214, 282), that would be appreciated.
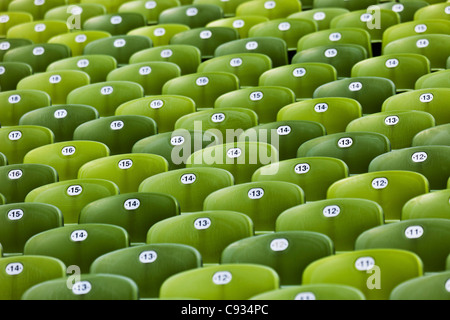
point(321, 16)
point(242, 24)
point(406, 9)
point(428, 287)
point(78, 40)
point(38, 31)
point(228, 7)
point(74, 13)
point(192, 15)
point(37, 9)
point(437, 135)
point(11, 19)
point(437, 79)
point(150, 9)
point(11, 43)
point(433, 11)
point(160, 34)
point(433, 204)
point(270, 9)
point(11, 73)
point(110, 5)
point(118, 23)
point(351, 5)
point(323, 291)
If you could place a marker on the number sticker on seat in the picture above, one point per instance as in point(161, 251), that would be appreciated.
point(299, 72)
point(218, 117)
point(117, 125)
point(345, 142)
point(279, 244)
point(15, 214)
point(74, 190)
point(379, 183)
point(305, 296)
point(188, 178)
point(419, 156)
point(426, 97)
point(256, 193)
point(156, 104)
point(202, 81)
point(148, 256)
point(79, 235)
point(251, 45)
point(15, 135)
point(284, 26)
point(302, 168)
point(391, 120)
point(364, 263)
point(420, 28)
point(392, 63)
point(131, 204)
point(68, 150)
point(14, 98)
point(283, 130)
point(256, 95)
point(331, 211)
point(335, 36)
point(81, 288)
point(177, 140)
point(222, 277)
point(125, 164)
point(15, 174)
point(60, 114)
point(321, 107)
point(234, 153)
point(13, 269)
point(414, 232)
point(355, 86)
point(202, 223)
point(319, 16)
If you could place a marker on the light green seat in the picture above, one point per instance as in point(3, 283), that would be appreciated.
point(148, 265)
point(117, 23)
point(288, 253)
point(77, 40)
point(262, 201)
point(190, 186)
point(12, 73)
point(19, 273)
point(160, 34)
point(202, 87)
point(78, 245)
point(192, 15)
point(127, 171)
point(437, 135)
point(428, 287)
point(433, 11)
point(17, 141)
point(334, 113)
point(427, 100)
point(323, 291)
point(433, 204)
point(431, 161)
point(106, 96)
point(36, 9)
point(402, 68)
point(242, 159)
point(210, 232)
point(343, 220)
point(437, 79)
point(16, 180)
point(67, 157)
point(321, 16)
point(136, 212)
point(228, 7)
point(110, 5)
point(164, 109)
point(58, 84)
point(96, 66)
point(150, 10)
point(20, 221)
point(242, 24)
point(87, 287)
point(399, 127)
point(266, 101)
point(38, 31)
point(351, 5)
point(176, 146)
point(405, 8)
point(313, 174)
point(375, 272)
point(302, 78)
point(74, 13)
point(12, 18)
point(187, 57)
point(390, 189)
point(273, 10)
point(11, 43)
point(370, 92)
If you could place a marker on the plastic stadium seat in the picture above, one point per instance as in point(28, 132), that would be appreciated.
point(375, 272)
point(150, 75)
point(390, 189)
point(242, 24)
point(36, 8)
point(3, 160)
point(8, 44)
point(67, 157)
point(424, 237)
point(262, 201)
point(119, 133)
point(399, 127)
point(426, 100)
point(190, 186)
point(336, 36)
point(323, 291)
point(314, 174)
point(148, 265)
point(271, 9)
point(19, 179)
point(136, 212)
point(228, 7)
point(266, 101)
point(176, 146)
point(242, 159)
point(373, 19)
point(203, 87)
point(77, 40)
point(38, 31)
point(437, 135)
point(22, 272)
point(38, 56)
point(127, 171)
point(16, 141)
point(11, 73)
point(78, 245)
point(273, 47)
point(119, 23)
point(15, 103)
point(223, 282)
point(351, 5)
point(356, 149)
point(341, 56)
point(433, 11)
point(288, 253)
point(434, 204)
point(208, 231)
point(433, 46)
point(75, 13)
point(321, 16)
point(87, 287)
point(110, 5)
point(288, 29)
point(302, 78)
point(343, 220)
point(403, 69)
point(334, 113)
point(286, 136)
point(431, 161)
point(121, 47)
point(206, 39)
point(428, 287)
point(405, 8)
point(58, 84)
point(370, 92)
point(160, 34)
point(20, 221)
point(10, 19)
point(437, 79)
point(192, 15)
point(150, 9)
point(106, 96)
point(187, 57)
point(96, 66)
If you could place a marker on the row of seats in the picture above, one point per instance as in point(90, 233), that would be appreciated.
point(114, 168)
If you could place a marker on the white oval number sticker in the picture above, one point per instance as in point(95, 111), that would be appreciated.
point(14, 268)
point(148, 256)
point(79, 235)
point(414, 232)
point(222, 277)
point(202, 223)
point(256, 193)
point(364, 263)
point(81, 288)
point(279, 244)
